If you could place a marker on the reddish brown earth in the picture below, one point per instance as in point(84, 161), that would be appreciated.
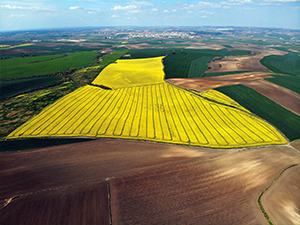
point(206, 83)
point(220, 190)
point(283, 96)
point(282, 200)
point(296, 144)
point(149, 183)
point(81, 204)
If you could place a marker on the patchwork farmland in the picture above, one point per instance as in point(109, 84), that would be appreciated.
point(124, 130)
point(158, 112)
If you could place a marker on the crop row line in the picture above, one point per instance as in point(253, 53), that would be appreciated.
point(162, 112)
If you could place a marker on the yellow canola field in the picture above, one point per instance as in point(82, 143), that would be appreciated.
point(160, 112)
point(131, 72)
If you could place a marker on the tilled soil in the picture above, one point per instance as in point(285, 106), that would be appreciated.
point(149, 183)
point(223, 190)
point(296, 144)
point(81, 204)
point(282, 200)
point(239, 63)
point(283, 96)
point(207, 83)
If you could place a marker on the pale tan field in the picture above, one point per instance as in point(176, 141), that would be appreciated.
point(241, 63)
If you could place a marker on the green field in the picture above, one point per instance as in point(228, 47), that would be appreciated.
point(227, 46)
point(40, 65)
point(193, 62)
point(14, 87)
point(288, 64)
point(199, 66)
point(289, 82)
point(286, 121)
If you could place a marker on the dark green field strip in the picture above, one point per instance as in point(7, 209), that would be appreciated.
point(182, 64)
point(286, 121)
point(224, 73)
point(11, 88)
point(290, 82)
point(227, 46)
point(33, 143)
point(199, 66)
point(288, 64)
point(22, 67)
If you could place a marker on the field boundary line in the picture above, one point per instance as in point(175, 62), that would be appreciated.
point(109, 201)
point(259, 198)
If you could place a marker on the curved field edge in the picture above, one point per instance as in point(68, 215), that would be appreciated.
point(259, 198)
point(17, 110)
point(288, 64)
point(131, 72)
point(284, 120)
point(100, 113)
point(183, 63)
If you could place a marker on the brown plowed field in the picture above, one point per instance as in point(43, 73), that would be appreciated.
point(149, 183)
point(85, 162)
point(296, 144)
point(282, 200)
point(222, 190)
point(283, 96)
point(207, 83)
point(82, 204)
point(20, 51)
point(239, 63)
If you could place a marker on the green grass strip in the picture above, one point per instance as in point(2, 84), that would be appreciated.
point(286, 121)
point(109, 201)
point(259, 198)
point(289, 82)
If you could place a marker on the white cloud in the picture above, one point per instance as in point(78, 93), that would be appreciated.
point(209, 4)
point(226, 7)
point(174, 10)
point(92, 12)
point(166, 11)
point(13, 7)
point(248, 9)
point(135, 11)
point(74, 7)
point(190, 11)
point(128, 7)
point(17, 16)
point(154, 10)
point(114, 16)
point(142, 3)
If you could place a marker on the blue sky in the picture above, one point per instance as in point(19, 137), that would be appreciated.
point(35, 14)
